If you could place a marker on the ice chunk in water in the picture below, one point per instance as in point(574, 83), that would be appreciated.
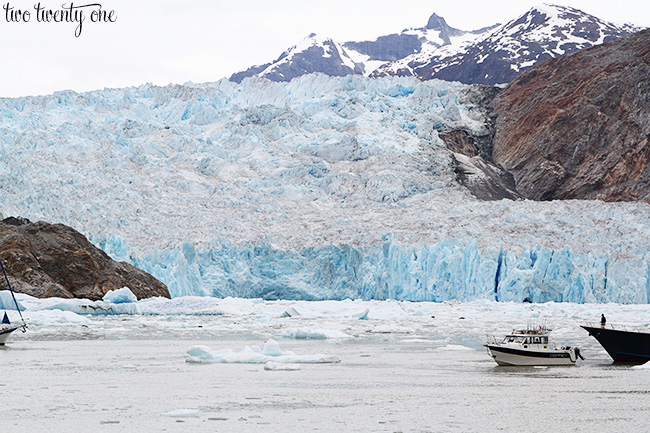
point(120, 296)
point(183, 413)
point(271, 352)
point(272, 348)
point(280, 366)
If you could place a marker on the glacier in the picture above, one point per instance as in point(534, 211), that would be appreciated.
point(319, 188)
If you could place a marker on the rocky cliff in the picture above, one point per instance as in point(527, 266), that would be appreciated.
point(578, 126)
point(46, 260)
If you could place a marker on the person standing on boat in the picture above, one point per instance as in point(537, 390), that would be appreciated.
point(602, 320)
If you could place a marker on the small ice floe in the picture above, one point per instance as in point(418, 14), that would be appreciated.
point(455, 348)
point(185, 305)
point(327, 309)
point(390, 329)
point(272, 348)
point(416, 340)
point(255, 355)
point(121, 301)
point(183, 413)
point(312, 333)
point(120, 296)
point(280, 366)
point(291, 312)
point(85, 306)
point(645, 366)
point(361, 316)
point(56, 317)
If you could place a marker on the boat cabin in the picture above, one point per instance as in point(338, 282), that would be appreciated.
point(526, 339)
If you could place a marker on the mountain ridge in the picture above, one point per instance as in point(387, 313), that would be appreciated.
point(491, 55)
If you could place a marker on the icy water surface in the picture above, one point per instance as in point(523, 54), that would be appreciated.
point(410, 368)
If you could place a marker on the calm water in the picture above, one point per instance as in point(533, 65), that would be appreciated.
point(386, 382)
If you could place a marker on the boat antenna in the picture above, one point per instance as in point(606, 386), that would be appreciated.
point(12, 294)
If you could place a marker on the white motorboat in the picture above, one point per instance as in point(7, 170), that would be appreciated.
point(530, 347)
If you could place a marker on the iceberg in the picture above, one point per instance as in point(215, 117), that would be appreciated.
point(120, 296)
point(88, 307)
point(7, 301)
point(280, 366)
point(183, 413)
point(313, 333)
point(254, 355)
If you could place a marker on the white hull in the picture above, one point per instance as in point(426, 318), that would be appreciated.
point(5, 331)
point(504, 355)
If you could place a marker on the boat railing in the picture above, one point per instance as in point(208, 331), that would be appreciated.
point(619, 327)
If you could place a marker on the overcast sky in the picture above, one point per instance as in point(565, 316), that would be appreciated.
point(174, 41)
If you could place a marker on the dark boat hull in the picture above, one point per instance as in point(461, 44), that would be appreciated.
point(622, 345)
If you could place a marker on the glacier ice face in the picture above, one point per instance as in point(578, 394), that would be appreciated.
point(320, 188)
point(446, 270)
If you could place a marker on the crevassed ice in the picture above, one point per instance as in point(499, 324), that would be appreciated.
point(320, 188)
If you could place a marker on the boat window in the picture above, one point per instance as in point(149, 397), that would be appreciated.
point(544, 340)
point(536, 340)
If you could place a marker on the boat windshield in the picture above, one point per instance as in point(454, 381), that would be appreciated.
point(526, 340)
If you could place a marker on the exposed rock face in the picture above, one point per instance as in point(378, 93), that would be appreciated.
point(46, 260)
point(399, 45)
point(388, 48)
point(472, 154)
point(578, 126)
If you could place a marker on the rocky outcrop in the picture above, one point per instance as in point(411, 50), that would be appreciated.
point(472, 153)
point(46, 260)
point(578, 126)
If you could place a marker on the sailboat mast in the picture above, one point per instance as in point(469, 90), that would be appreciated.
point(12, 291)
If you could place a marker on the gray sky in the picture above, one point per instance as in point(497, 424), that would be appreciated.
point(173, 41)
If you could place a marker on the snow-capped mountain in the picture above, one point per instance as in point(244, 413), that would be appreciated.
point(318, 54)
point(318, 188)
point(437, 37)
point(312, 54)
point(390, 49)
point(541, 33)
point(492, 55)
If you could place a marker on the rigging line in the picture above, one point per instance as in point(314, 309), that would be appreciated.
point(12, 291)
